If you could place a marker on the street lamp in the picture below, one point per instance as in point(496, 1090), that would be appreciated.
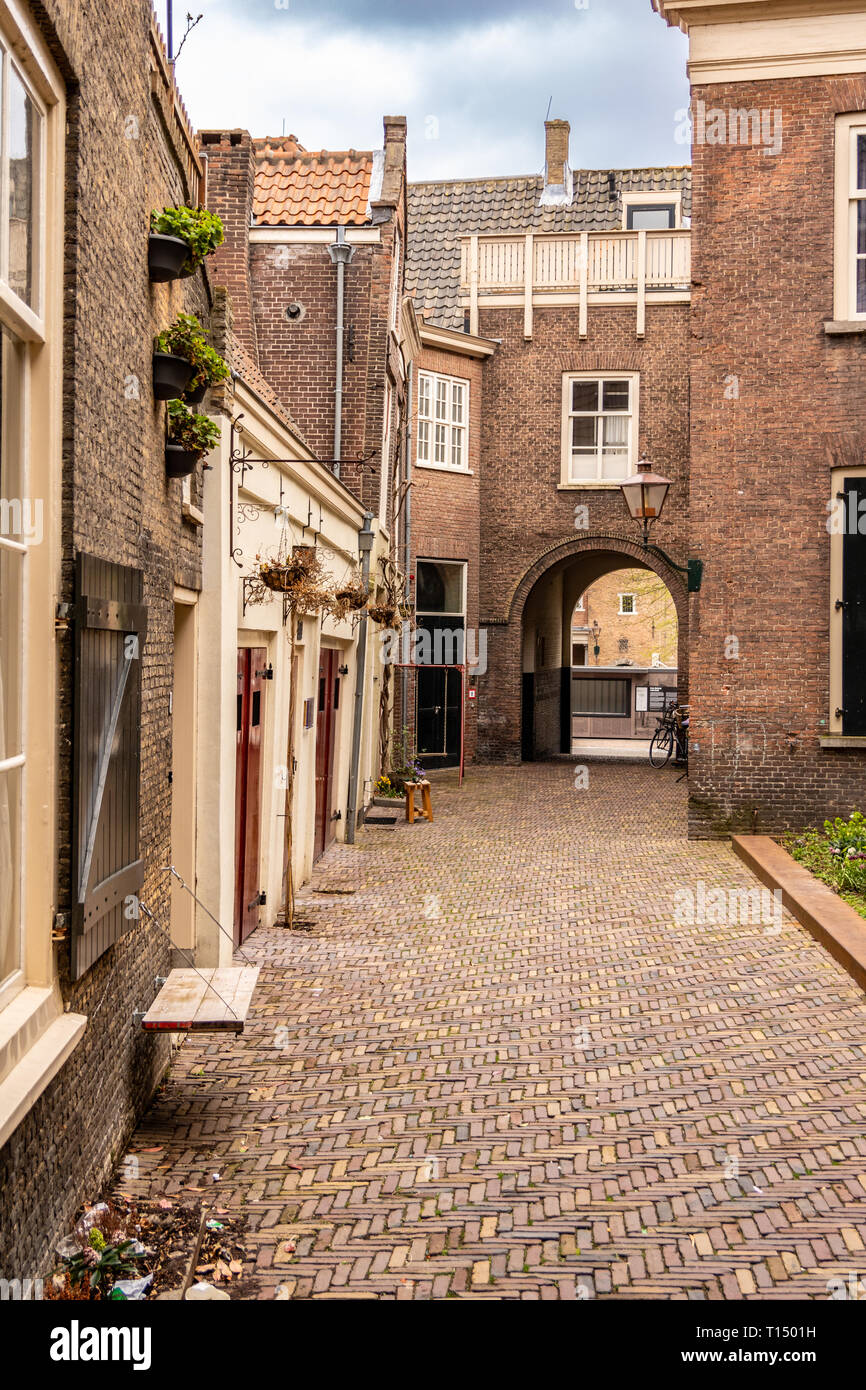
point(645, 492)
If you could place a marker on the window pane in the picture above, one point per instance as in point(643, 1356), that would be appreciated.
point(615, 432)
point(583, 431)
point(861, 161)
point(441, 399)
point(23, 149)
point(861, 227)
point(439, 587)
point(614, 395)
point(10, 924)
point(456, 448)
point(440, 444)
point(601, 696)
point(457, 403)
point(651, 219)
point(861, 285)
point(424, 396)
point(13, 523)
point(614, 463)
point(584, 467)
point(584, 395)
point(423, 440)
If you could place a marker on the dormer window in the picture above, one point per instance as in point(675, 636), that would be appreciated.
point(650, 212)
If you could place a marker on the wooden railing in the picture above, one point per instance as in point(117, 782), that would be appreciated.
point(583, 264)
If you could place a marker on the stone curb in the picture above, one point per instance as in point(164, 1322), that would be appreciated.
point(826, 916)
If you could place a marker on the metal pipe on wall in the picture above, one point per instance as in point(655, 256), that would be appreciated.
point(407, 526)
point(341, 254)
point(365, 545)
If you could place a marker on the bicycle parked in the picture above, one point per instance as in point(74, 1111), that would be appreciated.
point(671, 736)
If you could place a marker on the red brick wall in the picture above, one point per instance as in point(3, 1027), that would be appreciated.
point(229, 191)
point(526, 520)
point(760, 478)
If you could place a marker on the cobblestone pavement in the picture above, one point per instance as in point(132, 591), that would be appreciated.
point(496, 1067)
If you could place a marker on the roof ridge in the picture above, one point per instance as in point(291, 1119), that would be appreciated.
point(516, 178)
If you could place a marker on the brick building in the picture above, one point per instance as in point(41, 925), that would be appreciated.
point(99, 139)
point(557, 307)
point(778, 319)
point(627, 616)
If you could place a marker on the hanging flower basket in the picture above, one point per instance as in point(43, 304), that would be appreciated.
point(166, 257)
point(283, 576)
point(171, 375)
point(351, 598)
point(384, 613)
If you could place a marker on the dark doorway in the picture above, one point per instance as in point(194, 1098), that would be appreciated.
point(326, 728)
point(853, 619)
point(439, 694)
point(248, 788)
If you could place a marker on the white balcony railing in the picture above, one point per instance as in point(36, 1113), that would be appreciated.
point(580, 266)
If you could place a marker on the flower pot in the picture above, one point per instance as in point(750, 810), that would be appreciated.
point(180, 462)
point(171, 376)
point(195, 396)
point(166, 257)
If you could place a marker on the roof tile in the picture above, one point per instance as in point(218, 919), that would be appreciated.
point(295, 187)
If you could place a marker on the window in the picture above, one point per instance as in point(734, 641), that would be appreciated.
point(578, 653)
point(600, 695)
point(443, 417)
point(439, 587)
point(580, 605)
point(627, 603)
point(599, 427)
point(848, 605)
point(622, 644)
point(850, 232)
point(650, 212)
point(16, 520)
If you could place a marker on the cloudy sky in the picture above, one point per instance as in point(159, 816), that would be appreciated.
point(474, 77)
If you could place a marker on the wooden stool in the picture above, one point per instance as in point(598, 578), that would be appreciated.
point(425, 811)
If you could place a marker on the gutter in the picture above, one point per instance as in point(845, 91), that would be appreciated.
point(365, 545)
point(341, 254)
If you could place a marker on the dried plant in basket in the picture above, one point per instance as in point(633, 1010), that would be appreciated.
point(302, 566)
point(350, 598)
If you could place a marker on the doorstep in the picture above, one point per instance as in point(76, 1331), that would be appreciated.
point(826, 916)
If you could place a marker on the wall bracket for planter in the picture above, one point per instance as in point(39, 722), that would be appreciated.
point(171, 376)
point(166, 257)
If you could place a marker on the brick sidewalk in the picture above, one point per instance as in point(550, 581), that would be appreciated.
point(500, 1069)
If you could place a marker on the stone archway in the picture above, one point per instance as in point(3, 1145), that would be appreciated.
point(504, 691)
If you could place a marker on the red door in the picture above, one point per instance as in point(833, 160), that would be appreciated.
point(248, 786)
point(326, 724)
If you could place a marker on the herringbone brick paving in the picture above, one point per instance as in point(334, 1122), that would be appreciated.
point(500, 1068)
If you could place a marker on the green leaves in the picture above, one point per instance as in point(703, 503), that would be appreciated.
point(197, 433)
point(201, 230)
point(186, 338)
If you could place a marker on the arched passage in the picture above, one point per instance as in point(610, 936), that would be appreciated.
point(526, 710)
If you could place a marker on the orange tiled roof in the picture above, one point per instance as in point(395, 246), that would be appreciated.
point(295, 187)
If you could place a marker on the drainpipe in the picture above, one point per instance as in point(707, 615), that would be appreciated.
point(365, 545)
point(341, 254)
point(407, 527)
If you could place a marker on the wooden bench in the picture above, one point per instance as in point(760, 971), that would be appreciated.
point(426, 809)
point(201, 1001)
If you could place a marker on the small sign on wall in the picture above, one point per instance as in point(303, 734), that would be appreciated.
point(471, 693)
point(309, 713)
point(640, 698)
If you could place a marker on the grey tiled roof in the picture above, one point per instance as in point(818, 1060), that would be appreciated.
point(441, 213)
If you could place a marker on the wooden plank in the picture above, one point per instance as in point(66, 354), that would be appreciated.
point(195, 1001)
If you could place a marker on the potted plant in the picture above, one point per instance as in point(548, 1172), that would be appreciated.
point(190, 436)
point(209, 369)
point(180, 238)
point(185, 341)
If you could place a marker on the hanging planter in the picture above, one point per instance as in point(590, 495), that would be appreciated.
point(171, 375)
point(186, 339)
point(351, 598)
point(190, 437)
point(166, 257)
point(284, 576)
point(196, 230)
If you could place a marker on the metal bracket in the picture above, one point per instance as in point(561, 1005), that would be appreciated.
point(137, 1016)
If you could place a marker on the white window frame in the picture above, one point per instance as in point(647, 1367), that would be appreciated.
point(461, 565)
point(838, 478)
point(633, 378)
point(425, 452)
point(637, 200)
point(845, 232)
point(36, 1034)
point(628, 612)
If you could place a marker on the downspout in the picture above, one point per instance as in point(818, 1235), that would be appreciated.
point(407, 530)
point(365, 545)
point(341, 254)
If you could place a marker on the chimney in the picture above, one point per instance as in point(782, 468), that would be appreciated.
point(558, 184)
point(556, 135)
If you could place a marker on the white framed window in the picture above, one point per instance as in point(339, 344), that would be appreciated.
point(651, 212)
point(599, 430)
point(850, 221)
point(580, 606)
point(440, 588)
point(443, 422)
point(627, 604)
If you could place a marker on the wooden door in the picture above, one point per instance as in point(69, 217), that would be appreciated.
point(853, 618)
point(326, 726)
point(248, 789)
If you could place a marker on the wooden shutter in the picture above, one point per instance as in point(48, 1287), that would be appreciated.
point(110, 628)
